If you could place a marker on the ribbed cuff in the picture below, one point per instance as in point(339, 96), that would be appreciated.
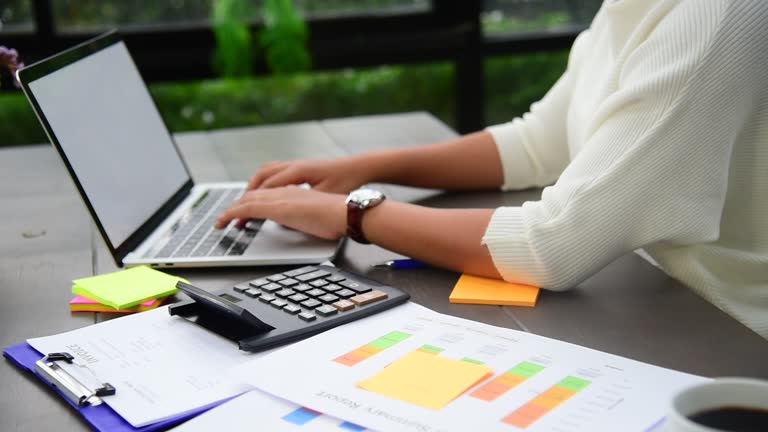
point(519, 172)
point(507, 241)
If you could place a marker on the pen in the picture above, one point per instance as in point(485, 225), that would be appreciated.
point(406, 263)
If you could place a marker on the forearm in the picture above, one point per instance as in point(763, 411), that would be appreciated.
point(469, 162)
point(447, 238)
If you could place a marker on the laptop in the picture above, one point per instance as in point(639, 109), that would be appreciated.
point(100, 117)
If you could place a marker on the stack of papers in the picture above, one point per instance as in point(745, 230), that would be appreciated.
point(133, 290)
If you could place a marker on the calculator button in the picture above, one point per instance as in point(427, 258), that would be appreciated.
point(326, 310)
point(345, 293)
point(306, 316)
point(328, 298)
point(292, 309)
point(311, 303)
point(317, 292)
point(297, 298)
point(344, 305)
point(300, 271)
point(312, 276)
point(355, 286)
point(364, 299)
point(283, 293)
point(270, 288)
point(303, 287)
point(319, 283)
point(241, 288)
point(334, 278)
point(266, 298)
point(278, 304)
point(275, 278)
point(258, 282)
point(288, 282)
point(251, 292)
point(331, 287)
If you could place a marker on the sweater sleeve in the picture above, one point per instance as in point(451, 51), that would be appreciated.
point(654, 167)
point(533, 148)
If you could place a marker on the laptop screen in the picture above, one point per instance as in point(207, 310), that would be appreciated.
point(107, 125)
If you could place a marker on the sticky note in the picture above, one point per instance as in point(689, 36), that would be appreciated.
point(125, 288)
point(426, 380)
point(84, 304)
point(479, 290)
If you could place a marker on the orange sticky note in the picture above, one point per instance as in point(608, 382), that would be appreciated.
point(479, 290)
point(425, 379)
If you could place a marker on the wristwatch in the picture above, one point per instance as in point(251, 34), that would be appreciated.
point(357, 202)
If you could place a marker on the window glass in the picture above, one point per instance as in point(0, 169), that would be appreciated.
point(16, 16)
point(515, 16)
point(85, 15)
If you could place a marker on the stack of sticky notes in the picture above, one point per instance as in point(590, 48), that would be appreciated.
point(480, 290)
point(133, 290)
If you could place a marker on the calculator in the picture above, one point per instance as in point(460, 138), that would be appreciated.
point(285, 307)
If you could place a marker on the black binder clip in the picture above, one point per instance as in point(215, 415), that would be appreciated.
point(71, 387)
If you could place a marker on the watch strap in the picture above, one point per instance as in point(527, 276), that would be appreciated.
point(355, 223)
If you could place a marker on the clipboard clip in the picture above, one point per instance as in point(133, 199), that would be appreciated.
point(71, 387)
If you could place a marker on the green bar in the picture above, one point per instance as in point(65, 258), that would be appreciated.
point(432, 348)
point(471, 360)
point(396, 336)
point(389, 339)
point(382, 343)
point(573, 383)
point(526, 369)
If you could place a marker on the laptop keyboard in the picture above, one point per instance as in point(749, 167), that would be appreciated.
point(194, 235)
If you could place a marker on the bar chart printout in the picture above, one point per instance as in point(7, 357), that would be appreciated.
point(368, 373)
point(545, 402)
point(506, 381)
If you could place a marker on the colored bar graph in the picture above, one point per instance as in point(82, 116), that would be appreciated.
point(351, 427)
point(301, 416)
point(545, 402)
point(506, 381)
point(429, 349)
point(372, 348)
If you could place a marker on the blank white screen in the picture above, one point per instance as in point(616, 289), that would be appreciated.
point(114, 138)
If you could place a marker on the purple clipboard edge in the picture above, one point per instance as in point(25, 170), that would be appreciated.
point(102, 417)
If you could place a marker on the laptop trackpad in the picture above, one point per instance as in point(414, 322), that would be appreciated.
point(275, 241)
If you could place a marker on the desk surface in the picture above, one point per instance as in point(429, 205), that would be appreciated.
point(630, 308)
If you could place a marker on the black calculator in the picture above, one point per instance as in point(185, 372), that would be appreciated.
point(286, 307)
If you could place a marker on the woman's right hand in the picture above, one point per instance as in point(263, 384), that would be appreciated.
point(340, 175)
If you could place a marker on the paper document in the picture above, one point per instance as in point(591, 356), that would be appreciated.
point(537, 384)
point(160, 365)
point(257, 411)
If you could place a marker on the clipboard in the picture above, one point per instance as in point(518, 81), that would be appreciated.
point(99, 415)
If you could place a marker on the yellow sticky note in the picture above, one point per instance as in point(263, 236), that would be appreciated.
point(479, 290)
point(425, 379)
point(125, 288)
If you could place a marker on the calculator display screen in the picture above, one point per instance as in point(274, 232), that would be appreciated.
point(233, 299)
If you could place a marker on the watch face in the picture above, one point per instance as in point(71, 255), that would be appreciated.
point(364, 197)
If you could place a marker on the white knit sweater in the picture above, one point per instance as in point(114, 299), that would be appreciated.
point(655, 137)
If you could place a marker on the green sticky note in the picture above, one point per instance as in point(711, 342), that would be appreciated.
point(126, 288)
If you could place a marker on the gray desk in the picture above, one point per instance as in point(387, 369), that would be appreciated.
point(629, 308)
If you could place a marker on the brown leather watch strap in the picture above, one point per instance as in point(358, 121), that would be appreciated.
point(355, 223)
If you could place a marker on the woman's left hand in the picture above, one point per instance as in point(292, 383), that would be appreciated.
point(317, 213)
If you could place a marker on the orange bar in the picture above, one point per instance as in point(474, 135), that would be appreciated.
point(349, 359)
point(484, 394)
point(525, 415)
point(510, 379)
point(518, 420)
point(367, 350)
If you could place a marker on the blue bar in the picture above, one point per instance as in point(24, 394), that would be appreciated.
point(351, 426)
point(300, 416)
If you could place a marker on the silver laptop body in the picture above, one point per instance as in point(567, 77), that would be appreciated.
point(100, 117)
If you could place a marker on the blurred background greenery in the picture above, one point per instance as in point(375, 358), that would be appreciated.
point(512, 82)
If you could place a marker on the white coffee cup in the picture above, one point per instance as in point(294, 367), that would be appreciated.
point(719, 393)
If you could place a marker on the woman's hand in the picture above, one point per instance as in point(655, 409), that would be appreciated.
point(340, 175)
point(317, 213)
